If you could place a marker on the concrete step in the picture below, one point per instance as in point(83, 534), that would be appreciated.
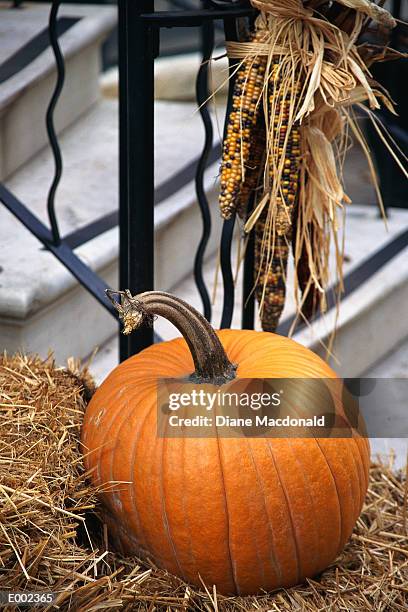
point(39, 300)
point(175, 77)
point(393, 365)
point(28, 73)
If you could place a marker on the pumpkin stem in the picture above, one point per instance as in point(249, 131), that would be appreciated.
point(210, 360)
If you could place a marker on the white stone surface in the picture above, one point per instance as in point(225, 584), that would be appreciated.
point(25, 96)
point(89, 185)
point(39, 299)
point(394, 365)
point(175, 77)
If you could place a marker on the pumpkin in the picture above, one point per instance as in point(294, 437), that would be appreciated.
point(244, 514)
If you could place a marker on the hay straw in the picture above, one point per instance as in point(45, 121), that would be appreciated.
point(45, 502)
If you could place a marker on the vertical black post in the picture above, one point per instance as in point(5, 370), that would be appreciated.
point(230, 30)
point(248, 297)
point(136, 159)
point(202, 95)
point(396, 8)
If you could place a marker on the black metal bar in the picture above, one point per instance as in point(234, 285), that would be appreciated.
point(230, 28)
point(248, 297)
point(202, 94)
point(396, 8)
point(227, 275)
point(187, 19)
point(87, 277)
point(95, 285)
point(52, 136)
point(183, 5)
point(136, 155)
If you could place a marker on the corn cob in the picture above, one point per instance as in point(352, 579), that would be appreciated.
point(270, 276)
point(241, 122)
point(286, 197)
point(311, 300)
point(270, 271)
point(253, 167)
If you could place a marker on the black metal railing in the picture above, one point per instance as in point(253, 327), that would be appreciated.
point(139, 45)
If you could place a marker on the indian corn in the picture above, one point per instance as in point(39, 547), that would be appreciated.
point(254, 167)
point(241, 123)
point(284, 161)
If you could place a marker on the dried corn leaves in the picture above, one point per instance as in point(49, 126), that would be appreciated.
point(298, 74)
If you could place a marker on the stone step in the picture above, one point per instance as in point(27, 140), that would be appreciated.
point(39, 300)
point(393, 365)
point(28, 73)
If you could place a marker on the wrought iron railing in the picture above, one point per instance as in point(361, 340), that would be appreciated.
point(139, 38)
point(139, 35)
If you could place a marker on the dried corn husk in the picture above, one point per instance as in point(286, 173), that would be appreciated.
point(324, 71)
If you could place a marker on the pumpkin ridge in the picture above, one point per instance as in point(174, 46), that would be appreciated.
point(348, 498)
point(359, 476)
point(275, 562)
point(307, 493)
point(262, 573)
point(338, 548)
point(352, 480)
point(125, 413)
point(135, 514)
point(351, 475)
point(234, 342)
point(167, 360)
point(150, 502)
point(363, 463)
point(185, 514)
point(96, 460)
point(132, 491)
point(108, 426)
point(298, 564)
point(232, 565)
point(125, 416)
point(163, 507)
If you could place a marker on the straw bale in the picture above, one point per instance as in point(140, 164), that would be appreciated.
point(53, 539)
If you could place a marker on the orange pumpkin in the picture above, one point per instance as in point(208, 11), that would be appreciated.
point(245, 514)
